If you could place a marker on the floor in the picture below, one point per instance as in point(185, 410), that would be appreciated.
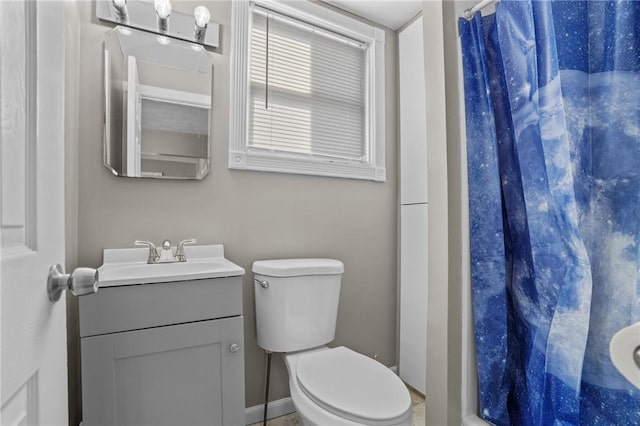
point(417, 402)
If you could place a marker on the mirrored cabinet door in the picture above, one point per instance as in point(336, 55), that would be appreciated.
point(157, 106)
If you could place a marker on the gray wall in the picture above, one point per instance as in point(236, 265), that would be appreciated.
point(441, 362)
point(464, 372)
point(451, 382)
point(71, 124)
point(255, 215)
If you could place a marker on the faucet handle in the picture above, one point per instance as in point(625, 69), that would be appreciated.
point(180, 250)
point(153, 254)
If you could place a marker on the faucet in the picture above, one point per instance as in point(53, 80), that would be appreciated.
point(166, 254)
point(153, 254)
point(180, 250)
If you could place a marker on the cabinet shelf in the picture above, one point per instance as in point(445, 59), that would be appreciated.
point(156, 156)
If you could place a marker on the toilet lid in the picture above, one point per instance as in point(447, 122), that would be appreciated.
point(353, 386)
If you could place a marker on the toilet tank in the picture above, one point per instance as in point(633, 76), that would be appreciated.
point(296, 302)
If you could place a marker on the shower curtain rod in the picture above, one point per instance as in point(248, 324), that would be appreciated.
point(468, 14)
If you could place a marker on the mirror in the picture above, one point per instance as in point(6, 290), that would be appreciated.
point(157, 106)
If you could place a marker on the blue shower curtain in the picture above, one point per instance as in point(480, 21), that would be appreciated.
point(552, 98)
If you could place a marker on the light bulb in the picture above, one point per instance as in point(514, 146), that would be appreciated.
point(202, 16)
point(121, 9)
point(163, 8)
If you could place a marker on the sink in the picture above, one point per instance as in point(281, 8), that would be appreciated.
point(130, 267)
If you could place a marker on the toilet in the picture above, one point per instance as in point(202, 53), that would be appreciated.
point(296, 312)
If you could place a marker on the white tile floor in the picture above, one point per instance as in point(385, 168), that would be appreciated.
point(417, 402)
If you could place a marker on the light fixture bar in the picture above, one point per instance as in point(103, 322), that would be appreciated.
point(143, 15)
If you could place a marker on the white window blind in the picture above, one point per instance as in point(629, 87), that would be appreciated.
point(308, 90)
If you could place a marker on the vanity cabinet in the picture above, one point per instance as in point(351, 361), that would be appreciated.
point(168, 353)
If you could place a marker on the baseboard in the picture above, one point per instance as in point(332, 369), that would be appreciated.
point(277, 408)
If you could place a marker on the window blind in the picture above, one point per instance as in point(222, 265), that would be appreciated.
point(307, 91)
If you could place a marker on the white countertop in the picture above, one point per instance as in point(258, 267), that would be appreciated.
point(130, 267)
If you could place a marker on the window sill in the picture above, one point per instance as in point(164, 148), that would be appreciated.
point(299, 164)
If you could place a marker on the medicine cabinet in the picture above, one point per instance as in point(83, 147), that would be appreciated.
point(157, 106)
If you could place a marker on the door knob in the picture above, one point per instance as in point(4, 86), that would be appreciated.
point(234, 347)
point(80, 282)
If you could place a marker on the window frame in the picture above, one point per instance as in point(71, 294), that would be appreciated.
point(243, 158)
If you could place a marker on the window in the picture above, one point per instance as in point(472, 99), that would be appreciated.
point(307, 91)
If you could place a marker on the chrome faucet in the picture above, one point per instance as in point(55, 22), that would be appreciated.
point(180, 250)
point(166, 253)
point(153, 253)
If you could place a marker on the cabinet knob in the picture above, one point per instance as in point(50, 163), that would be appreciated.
point(234, 347)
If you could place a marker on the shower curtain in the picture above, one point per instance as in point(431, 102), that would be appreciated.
point(552, 98)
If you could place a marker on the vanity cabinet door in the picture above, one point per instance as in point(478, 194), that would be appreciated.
point(188, 374)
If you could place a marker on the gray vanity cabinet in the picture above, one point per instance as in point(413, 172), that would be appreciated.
point(180, 362)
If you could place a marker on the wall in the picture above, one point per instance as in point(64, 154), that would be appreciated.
point(71, 127)
point(441, 385)
point(460, 315)
point(256, 215)
point(451, 375)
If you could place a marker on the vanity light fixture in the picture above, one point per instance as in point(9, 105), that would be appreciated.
point(153, 16)
point(202, 17)
point(121, 9)
point(163, 10)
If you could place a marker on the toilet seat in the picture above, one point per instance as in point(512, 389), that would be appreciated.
point(353, 386)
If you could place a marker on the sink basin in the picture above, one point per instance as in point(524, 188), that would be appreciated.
point(129, 266)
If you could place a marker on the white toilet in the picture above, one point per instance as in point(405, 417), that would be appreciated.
point(296, 311)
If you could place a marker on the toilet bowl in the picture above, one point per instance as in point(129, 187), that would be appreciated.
point(340, 387)
point(296, 311)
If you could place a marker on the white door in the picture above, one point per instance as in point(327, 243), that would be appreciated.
point(34, 356)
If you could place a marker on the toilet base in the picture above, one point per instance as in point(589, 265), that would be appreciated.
point(310, 413)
